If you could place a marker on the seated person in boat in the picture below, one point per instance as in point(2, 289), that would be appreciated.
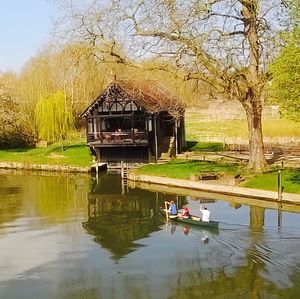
point(185, 213)
point(172, 209)
point(205, 214)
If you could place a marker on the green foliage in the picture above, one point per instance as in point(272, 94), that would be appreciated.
point(285, 71)
point(294, 6)
point(54, 120)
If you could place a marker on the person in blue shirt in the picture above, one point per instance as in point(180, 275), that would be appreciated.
point(172, 209)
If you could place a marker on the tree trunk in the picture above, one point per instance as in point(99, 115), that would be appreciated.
point(252, 101)
point(257, 160)
point(62, 144)
point(257, 217)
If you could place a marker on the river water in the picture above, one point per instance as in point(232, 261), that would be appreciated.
point(75, 236)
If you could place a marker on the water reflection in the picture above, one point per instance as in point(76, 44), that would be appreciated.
point(78, 237)
point(117, 222)
point(257, 218)
point(10, 195)
point(118, 219)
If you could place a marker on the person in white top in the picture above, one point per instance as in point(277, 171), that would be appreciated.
point(205, 214)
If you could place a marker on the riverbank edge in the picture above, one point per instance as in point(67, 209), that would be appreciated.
point(45, 167)
point(213, 188)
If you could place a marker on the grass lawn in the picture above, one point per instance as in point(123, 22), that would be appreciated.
point(76, 153)
point(182, 169)
point(268, 181)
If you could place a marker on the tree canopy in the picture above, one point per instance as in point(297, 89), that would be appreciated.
point(225, 44)
point(14, 127)
point(285, 86)
point(198, 49)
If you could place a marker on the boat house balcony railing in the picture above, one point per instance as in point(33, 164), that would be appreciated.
point(123, 137)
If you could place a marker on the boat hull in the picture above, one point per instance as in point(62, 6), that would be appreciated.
point(194, 220)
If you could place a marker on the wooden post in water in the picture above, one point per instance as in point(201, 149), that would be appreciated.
point(166, 209)
point(280, 189)
point(122, 169)
point(279, 216)
point(279, 185)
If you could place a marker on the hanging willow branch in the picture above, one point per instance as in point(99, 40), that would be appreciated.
point(54, 120)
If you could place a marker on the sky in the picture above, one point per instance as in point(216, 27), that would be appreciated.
point(25, 26)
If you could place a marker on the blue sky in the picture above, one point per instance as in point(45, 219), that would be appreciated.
point(25, 27)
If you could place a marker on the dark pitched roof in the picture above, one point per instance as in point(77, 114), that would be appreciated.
point(150, 95)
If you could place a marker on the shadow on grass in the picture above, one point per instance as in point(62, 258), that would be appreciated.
point(18, 150)
point(295, 179)
point(190, 144)
point(67, 147)
point(204, 146)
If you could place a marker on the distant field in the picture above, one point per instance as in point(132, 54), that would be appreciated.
point(238, 128)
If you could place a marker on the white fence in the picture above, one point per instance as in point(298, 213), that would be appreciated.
point(211, 137)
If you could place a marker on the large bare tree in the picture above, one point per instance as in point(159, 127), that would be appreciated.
point(224, 43)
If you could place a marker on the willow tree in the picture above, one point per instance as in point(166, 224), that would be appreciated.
point(226, 44)
point(54, 119)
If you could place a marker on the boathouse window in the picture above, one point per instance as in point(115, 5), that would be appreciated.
point(126, 124)
point(116, 107)
point(131, 106)
point(104, 125)
point(139, 123)
point(90, 125)
point(104, 107)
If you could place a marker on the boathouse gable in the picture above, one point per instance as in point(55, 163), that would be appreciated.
point(126, 124)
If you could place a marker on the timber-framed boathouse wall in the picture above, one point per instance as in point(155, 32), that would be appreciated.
point(134, 122)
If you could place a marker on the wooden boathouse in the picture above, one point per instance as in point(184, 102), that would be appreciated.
point(134, 122)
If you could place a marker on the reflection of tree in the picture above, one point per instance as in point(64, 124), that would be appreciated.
point(55, 196)
point(10, 202)
point(257, 217)
point(117, 222)
point(59, 196)
point(244, 271)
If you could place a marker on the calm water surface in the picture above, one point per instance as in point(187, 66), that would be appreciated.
point(76, 237)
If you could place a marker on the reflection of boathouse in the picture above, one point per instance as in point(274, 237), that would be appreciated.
point(134, 122)
point(117, 221)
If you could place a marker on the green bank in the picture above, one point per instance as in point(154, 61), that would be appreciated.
point(183, 169)
point(76, 153)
